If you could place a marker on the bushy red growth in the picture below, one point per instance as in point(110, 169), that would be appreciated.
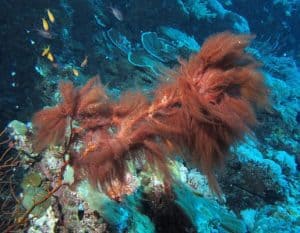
point(91, 98)
point(127, 136)
point(212, 103)
point(50, 123)
point(208, 106)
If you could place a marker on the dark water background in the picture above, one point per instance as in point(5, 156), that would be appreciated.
point(21, 94)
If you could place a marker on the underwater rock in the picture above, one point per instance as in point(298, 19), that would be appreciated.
point(199, 183)
point(237, 22)
point(285, 160)
point(214, 11)
point(206, 215)
point(21, 133)
point(119, 40)
point(158, 47)
point(273, 218)
point(193, 178)
point(75, 214)
point(285, 102)
point(298, 117)
point(199, 9)
point(251, 186)
point(17, 128)
point(166, 215)
point(180, 38)
point(68, 175)
point(142, 59)
point(282, 127)
point(32, 195)
point(119, 216)
point(250, 180)
point(32, 179)
point(46, 223)
point(248, 216)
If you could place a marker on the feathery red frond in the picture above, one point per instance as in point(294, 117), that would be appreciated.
point(217, 93)
point(224, 50)
point(50, 123)
point(50, 126)
point(69, 95)
point(208, 106)
point(91, 97)
point(228, 89)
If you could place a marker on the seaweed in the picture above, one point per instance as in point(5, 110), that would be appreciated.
point(207, 106)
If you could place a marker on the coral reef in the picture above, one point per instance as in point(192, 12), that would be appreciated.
point(154, 158)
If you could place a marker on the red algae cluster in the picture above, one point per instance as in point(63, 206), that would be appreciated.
point(207, 106)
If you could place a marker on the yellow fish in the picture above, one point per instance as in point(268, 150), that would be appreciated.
point(50, 16)
point(84, 62)
point(75, 72)
point(46, 51)
point(45, 24)
point(50, 57)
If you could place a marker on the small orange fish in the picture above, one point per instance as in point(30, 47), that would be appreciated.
point(45, 51)
point(50, 57)
point(84, 62)
point(50, 16)
point(45, 24)
point(117, 13)
point(75, 72)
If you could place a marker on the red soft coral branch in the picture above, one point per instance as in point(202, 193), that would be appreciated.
point(208, 106)
point(51, 123)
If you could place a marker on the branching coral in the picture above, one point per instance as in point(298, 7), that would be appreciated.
point(208, 106)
